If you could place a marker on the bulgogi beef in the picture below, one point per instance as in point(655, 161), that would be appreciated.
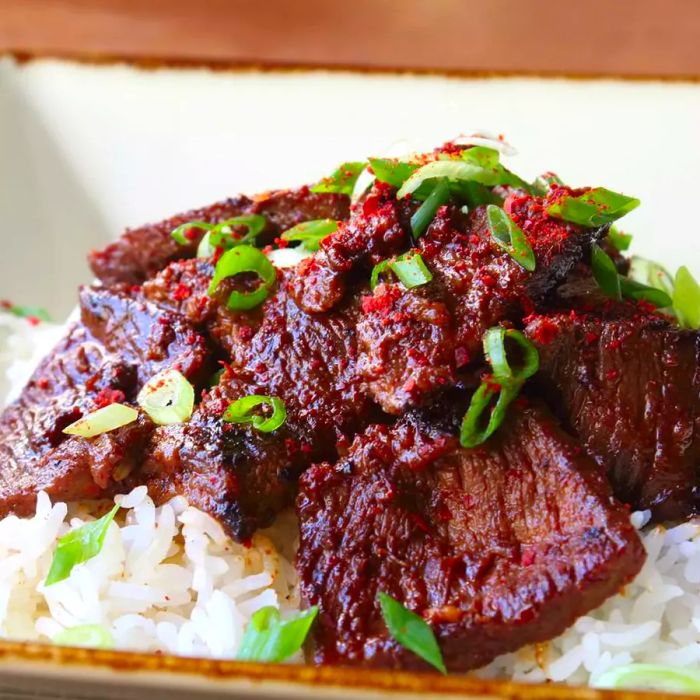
point(142, 252)
point(496, 547)
point(627, 383)
point(79, 376)
point(122, 344)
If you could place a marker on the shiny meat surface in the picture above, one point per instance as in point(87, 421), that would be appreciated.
point(495, 547)
point(630, 389)
point(141, 252)
point(78, 377)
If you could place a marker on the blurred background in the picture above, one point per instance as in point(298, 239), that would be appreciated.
point(118, 112)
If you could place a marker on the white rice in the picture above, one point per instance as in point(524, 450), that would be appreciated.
point(169, 580)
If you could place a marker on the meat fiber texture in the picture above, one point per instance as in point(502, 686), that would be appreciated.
point(544, 541)
point(496, 547)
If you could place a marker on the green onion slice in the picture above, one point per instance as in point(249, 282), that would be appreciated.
point(510, 237)
point(596, 207)
point(79, 546)
point(686, 299)
point(411, 631)
point(543, 184)
point(377, 271)
point(245, 258)
point(268, 638)
point(179, 233)
point(30, 312)
point(167, 398)
point(605, 273)
point(92, 636)
point(651, 273)
point(672, 679)
point(409, 268)
point(484, 417)
point(616, 286)
point(103, 420)
point(426, 212)
point(311, 233)
point(497, 355)
point(241, 411)
point(222, 234)
point(619, 240)
point(342, 180)
point(392, 172)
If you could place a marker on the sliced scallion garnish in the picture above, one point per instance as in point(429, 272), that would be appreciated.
point(543, 184)
point(243, 411)
point(392, 172)
point(595, 207)
point(268, 638)
point(489, 403)
point(651, 273)
point(510, 237)
point(616, 286)
point(411, 631)
point(168, 398)
point(244, 258)
point(686, 299)
point(179, 233)
point(605, 273)
point(311, 233)
point(409, 268)
point(426, 212)
point(91, 636)
point(672, 679)
point(342, 180)
point(30, 312)
point(478, 164)
point(103, 420)
point(487, 410)
point(619, 240)
point(222, 234)
point(497, 356)
point(79, 546)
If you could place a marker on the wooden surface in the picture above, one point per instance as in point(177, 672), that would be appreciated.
point(596, 37)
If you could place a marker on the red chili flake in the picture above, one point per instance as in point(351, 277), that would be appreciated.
point(5, 304)
point(545, 331)
point(182, 292)
point(135, 288)
point(611, 375)
point(43, 383)
point(248, 542)
point(291, 446)
point(191, 234)
point(306, 448)
point(281, 243)
point(528, 557)
point(409, 386)
point(33, 320)
point(109, 396)
point(488, 280)
point(590, 337)
point(420, 523)
point(245, 333)
point(268, 249)
point(474, 239)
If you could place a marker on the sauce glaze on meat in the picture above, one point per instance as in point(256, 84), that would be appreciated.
point(495, 546)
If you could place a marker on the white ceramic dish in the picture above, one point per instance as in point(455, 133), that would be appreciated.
point(88, 150)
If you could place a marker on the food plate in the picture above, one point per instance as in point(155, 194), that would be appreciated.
point(94, 149)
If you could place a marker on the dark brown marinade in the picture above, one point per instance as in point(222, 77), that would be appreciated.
point(141, 252)
point(495, 547)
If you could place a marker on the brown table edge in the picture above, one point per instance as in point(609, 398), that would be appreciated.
point(23, 56)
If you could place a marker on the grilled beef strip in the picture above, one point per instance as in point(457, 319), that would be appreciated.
point(142, 252)
point(496, 547)
point(121, 344)
point(626, 381)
